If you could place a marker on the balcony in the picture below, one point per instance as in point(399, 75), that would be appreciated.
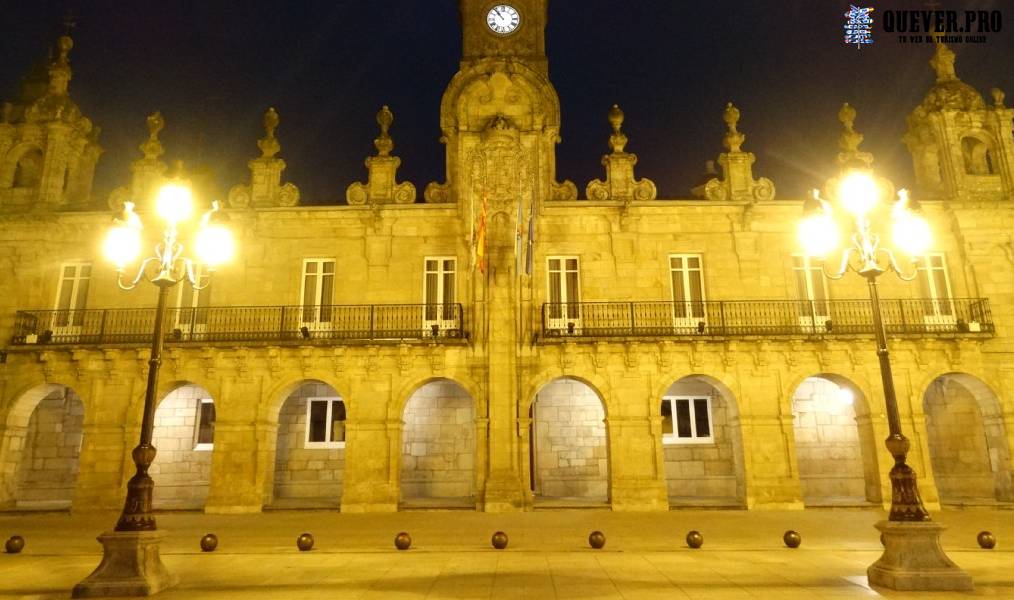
point(765, 318)
point(254, 324)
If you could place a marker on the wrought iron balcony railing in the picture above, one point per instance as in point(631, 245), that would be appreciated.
point(263, 324)
point(764, 318)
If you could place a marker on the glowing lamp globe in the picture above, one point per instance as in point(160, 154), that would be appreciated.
point(818, 234)
point(911, 232)
point(858, 193)
point(174, 202)
point(123, 242)
point(214, 245)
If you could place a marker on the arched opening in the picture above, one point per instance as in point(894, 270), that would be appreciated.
point(184, 437)
point(835, 444)
point(28, 171)
point(569, 444)
point(41, 446)
point(702, 444)
point(438, 446)
point(967, 441)
point(310, 448)
point(976, 155)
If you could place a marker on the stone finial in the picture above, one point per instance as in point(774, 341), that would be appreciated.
point(269, 143)
point(152, 147)
point(733, 138)
point(618, 140)
point(65, 43)
point(850, 139)
point(998, 97)
point(943, 63)
point(384, 143)
point(620, 183)
point(381, 186)
point(737, 182)
point(59, 70)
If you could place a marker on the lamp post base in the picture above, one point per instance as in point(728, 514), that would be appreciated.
point(131, 566)
point(913, 559)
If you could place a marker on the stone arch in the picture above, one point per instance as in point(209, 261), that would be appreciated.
point(279, 394)
point(836, 450)
point(569, 442)
point(701, 470)
point(968, 444)
point(498, 89)
point(308, 457)
point(40, 444)
point(597, 384)
point(183, 437)
point(977, 155)
point(438, 441)
point(13, 162)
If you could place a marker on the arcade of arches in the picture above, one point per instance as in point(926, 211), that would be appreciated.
point(566, 451)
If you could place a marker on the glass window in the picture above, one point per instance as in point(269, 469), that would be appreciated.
point(687, 279)
point(325, 423)
point(72, 294)
point(686, 419)
point(318, 290)
point(204, 430)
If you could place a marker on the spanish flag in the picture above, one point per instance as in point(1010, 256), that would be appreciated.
point(480, 237)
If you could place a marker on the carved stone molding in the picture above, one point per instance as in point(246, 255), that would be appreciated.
point(265, 189)
point(382, 186)
point(620, 184)
point(737, 182)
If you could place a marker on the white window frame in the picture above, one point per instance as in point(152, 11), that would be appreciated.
point(673, 438)
point(446, 318)
point(566, 312)
point(925, 270)
point(187, 302)
point(70, 328)
point(690, 321)
point(327, 424)
point(199, 447)
point(811, 270)
point(314, 323)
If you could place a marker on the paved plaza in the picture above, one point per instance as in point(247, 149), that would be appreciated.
point(548, 556)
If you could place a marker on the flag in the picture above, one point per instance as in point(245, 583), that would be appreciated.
point(518, 235)
point(530, 255)
point(480, 238)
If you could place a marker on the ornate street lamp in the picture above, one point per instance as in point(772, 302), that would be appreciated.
point(131, 565)
point(913, 558)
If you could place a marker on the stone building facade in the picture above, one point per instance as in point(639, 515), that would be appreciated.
point(657, 352)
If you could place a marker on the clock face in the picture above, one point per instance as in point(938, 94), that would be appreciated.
point(503, 19)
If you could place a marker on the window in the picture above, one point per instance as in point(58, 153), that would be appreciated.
point(976, 156)
point(564, 293)
point(935, 287)
point(687, 420)
point(204, 425)
point(193, 303)
point(325, 423)
point(438, 291)
point(72, 294)
point(318, 292)
point(812, 287)
point(687, 280)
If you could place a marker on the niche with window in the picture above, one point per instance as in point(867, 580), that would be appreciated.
point(976, 155)
point(204, 425)
point(687, 420)
point(28, 171)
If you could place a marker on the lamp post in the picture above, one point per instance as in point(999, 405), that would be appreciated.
point(131, 565)
point(913, 558)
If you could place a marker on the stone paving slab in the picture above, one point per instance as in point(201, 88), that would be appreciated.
point(548, 555)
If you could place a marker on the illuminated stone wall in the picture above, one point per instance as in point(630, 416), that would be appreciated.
point(438, 448)
point(49, 458)
point(181, 472)
point(570, 442)
point(301, 472)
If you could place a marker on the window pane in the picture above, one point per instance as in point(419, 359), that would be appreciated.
point(701, 421)
point(676, 263)
point(431, 294)
point(573, 294)
point(318, 421)
point(328, 267)
point(337, 421)
point(572, 264)
point(448, 299)
point(940, 282)
point(683, 419)
point(697, 294)
point(554, 294)
point(326, 294)
point(206, 423)
point(309, 296)
point(666, 417)
point(431, 266)
point(694, 262)
point(66, 291)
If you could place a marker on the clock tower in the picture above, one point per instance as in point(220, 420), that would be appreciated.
point(505, 29)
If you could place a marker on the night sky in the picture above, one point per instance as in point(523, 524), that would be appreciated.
point(213, 67)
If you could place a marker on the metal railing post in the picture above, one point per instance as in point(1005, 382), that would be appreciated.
point(372, 326)
point(901, 310)
point(102, 325)
point(721, 316)
point(633, 329)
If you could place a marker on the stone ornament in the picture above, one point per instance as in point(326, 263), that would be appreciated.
point(737, 182)
point(597, 540)
point(209, 542)
point(266, 189)
point(792, 539)
point(14, 544)
point(499, 540)
point(986, 540)
point(620, 184)
point(695, 539)
point(851, 157)
point(403, 541)
point(304, 542)
point(382, 186)
point(148, 173)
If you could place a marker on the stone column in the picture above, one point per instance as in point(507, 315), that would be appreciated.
point(914, 427)
point(104, 464)
point(372, 456)
point(772, 482)
point(12, 444)
point(634, 482)
point(237, 476)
